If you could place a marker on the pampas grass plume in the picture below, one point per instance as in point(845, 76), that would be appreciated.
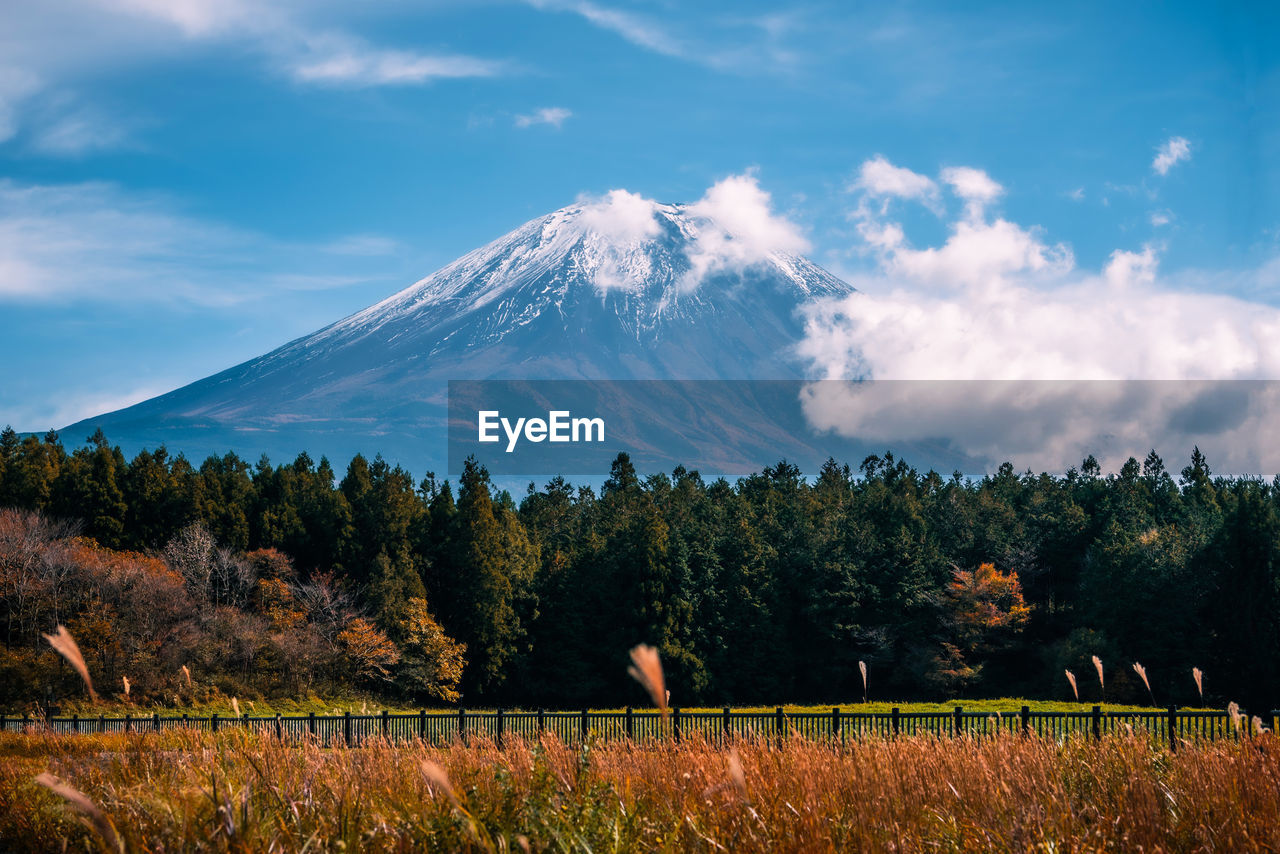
point(62, 641)
point(81, 803)
point(646, 668)
point(1142, 672)
point(438, 779)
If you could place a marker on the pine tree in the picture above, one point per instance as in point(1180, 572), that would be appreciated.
point(494, 567)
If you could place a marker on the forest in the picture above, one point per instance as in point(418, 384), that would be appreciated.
point(273, 580)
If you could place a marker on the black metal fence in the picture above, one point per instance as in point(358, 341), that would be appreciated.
point(1170, 726)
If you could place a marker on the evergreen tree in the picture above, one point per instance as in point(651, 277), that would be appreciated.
point(494, 567)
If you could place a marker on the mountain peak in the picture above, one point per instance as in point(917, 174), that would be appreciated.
point(648, 262)
point(615, 288)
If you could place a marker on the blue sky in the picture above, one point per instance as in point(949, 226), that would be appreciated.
point(185, 184)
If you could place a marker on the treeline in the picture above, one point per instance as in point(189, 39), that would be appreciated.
point(286, 578)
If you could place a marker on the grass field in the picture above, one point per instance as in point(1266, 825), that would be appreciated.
point(234, 791)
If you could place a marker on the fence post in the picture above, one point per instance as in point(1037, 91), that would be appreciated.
point(213, 722)
point(385, 725)
point(422, 725)
point(584, 726)
point(675, 723)
point(895, 721)
point(128, 722)
point(1026, 720)
point(75, 722)
point(279, 727)
point(462, 725)
point(311, 723)
point(500, 727)
point(835, 724)
point(1097, 723)
point(542, 721)
point(779, 723)
point(2, 723)
point(728, 724)
point(1173, 728)
point(346, 727)
point(957, 721)
point(155, 721)
point(102, 723)
point(184, 720)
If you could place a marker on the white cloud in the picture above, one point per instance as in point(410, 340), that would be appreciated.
point(631, 27)
point(1175, 150)
point(980, 254)
point(1161, 218)
point(976, 253)
point(996, 302)
point(1125, 268)
point(880, 178)
point(622, 217)
point(197, 18)
point(974, 186)
point(97, 242)
point(1076, 195)
point(16, 85)
point(616, 223)
point(51, 48)
point(634, 28)
point(329, 58)
point(730, 229)
point(554, 116)
point(738, 229)
point(77, 131)
point(732, 42)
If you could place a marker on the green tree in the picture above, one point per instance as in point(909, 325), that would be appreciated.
point(494, 562)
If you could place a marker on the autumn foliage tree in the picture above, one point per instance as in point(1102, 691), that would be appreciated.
point(431, 663)
point(985, 610)
point(369, 653)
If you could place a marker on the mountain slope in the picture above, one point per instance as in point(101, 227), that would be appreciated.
point(571, 295)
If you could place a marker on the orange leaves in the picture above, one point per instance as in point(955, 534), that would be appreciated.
point(277, 604)
point(369, 651)
point(986, 600)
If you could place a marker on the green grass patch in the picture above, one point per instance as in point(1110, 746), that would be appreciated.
point(322, 706)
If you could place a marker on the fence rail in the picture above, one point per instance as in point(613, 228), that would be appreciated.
point(1169, 726)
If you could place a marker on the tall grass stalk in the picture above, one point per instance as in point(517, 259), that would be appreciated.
point(62, 641)
point(183, 790)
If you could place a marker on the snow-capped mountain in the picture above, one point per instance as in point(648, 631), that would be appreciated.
point(581, 293)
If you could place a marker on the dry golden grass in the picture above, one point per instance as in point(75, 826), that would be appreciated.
point(236, 791)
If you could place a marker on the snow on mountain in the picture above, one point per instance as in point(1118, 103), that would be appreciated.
point(620, 288)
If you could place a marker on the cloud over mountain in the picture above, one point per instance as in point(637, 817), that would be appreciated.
point(997, 301)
